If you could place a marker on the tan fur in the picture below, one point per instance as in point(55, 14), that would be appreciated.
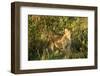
point(62, 41)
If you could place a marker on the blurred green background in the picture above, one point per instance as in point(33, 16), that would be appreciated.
point(40, 27)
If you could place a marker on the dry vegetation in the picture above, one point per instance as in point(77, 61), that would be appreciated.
point(57, 37)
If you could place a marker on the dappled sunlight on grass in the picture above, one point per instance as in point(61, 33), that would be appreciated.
point(57, 37)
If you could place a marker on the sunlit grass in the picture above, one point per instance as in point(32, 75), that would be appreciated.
point(43, 31)
point(59, 55)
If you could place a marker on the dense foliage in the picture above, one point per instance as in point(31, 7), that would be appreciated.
point(42, 28)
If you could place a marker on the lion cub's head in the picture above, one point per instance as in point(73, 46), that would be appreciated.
point(67, 33)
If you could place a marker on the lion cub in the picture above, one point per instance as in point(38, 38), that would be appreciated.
point(62, 43)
